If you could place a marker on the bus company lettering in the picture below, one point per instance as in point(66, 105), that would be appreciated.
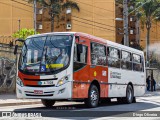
point(115, 75)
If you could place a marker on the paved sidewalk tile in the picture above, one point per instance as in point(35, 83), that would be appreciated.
point(11, 100)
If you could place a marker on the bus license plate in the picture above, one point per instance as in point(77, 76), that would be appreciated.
point(50, 82)
point(38, 92)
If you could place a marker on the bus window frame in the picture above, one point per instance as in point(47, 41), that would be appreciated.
point(137, 62)
point(127, 61)
point(86, 55)
point(93, 53)
point(114, 57)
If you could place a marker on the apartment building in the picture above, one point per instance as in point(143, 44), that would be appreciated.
point(14, 14)
point(96, 17)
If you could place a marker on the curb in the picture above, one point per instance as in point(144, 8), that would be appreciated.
point(20, 103)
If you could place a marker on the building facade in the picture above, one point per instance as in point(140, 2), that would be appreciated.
point(96, 17)
point(14, 14)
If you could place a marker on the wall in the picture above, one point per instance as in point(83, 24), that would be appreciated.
point(10, 12)
point(7, 69)
point(96, 17)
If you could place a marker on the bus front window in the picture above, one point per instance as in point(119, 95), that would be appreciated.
point(45, 54)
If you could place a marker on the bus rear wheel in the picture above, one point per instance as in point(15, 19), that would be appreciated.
point(93, 97)
point(129, 95)
point(48, 103)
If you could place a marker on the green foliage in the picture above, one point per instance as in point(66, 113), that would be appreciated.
point(23, 33)
point(148, 10)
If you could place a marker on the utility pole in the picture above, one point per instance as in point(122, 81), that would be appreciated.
point(35, 16)
point(125, 22)
point(19, 24)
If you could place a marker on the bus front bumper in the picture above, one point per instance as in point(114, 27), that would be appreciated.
point(62, 92)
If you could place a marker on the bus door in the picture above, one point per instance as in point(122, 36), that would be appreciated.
point(98, 68)
point(81, 68)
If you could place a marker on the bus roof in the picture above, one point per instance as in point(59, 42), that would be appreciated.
point(93, 37)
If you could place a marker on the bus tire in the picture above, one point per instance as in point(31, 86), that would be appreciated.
point(134, 99)
point(93, 97)
point(48, 103)
point(129, 95)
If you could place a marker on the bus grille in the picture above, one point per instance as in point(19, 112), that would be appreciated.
point(27, 79)
point(39, 95)
point(40, 85)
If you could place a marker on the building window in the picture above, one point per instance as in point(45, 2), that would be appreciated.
point(39, 26)
point(40, 11)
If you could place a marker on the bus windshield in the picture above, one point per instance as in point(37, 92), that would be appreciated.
point(45, 54)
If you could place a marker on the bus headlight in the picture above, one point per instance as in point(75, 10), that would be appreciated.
point(63, 80)
point(19, 82)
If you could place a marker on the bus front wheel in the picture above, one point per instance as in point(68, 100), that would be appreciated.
point(48, 103)
point(93, 97)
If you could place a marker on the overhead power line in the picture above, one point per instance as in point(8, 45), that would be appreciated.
point(95, 6)
point(15, 7)
point(90, 27)
point(22, 3)
point(95, 25)
point(93, 21)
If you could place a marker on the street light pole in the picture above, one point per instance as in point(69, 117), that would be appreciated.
point(125, 22)
point(35, 16)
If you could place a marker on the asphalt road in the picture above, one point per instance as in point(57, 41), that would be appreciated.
point(146, 107)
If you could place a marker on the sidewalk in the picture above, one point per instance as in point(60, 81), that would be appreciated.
point(154, 93)
point(11, 100)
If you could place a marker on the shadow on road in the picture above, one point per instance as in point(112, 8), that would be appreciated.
point(72, 111)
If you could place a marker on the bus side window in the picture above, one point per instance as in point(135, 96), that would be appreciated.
point(126, 62)
point(137, 63)
point(142, 62)
point(98, 54)
point(80, 59)
point(113, 57)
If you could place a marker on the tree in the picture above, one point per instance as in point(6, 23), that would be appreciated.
point(23, 33)
point(56, 7)
point(147, 11)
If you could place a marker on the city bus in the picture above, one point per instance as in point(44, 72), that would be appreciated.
point(75, 66)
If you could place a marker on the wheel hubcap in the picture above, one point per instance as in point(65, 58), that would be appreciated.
point(94, 96)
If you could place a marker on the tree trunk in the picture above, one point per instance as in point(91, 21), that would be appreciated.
point(52, 23)
point(147, 47)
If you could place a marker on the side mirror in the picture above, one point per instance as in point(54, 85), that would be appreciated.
point(16, 46)
point(79, 48)
point(15, 49)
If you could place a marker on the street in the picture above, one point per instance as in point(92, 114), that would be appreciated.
point(73, 110)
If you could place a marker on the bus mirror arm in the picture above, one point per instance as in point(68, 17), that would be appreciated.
point(16, 46)
point(19, 40)
point(15, 49)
